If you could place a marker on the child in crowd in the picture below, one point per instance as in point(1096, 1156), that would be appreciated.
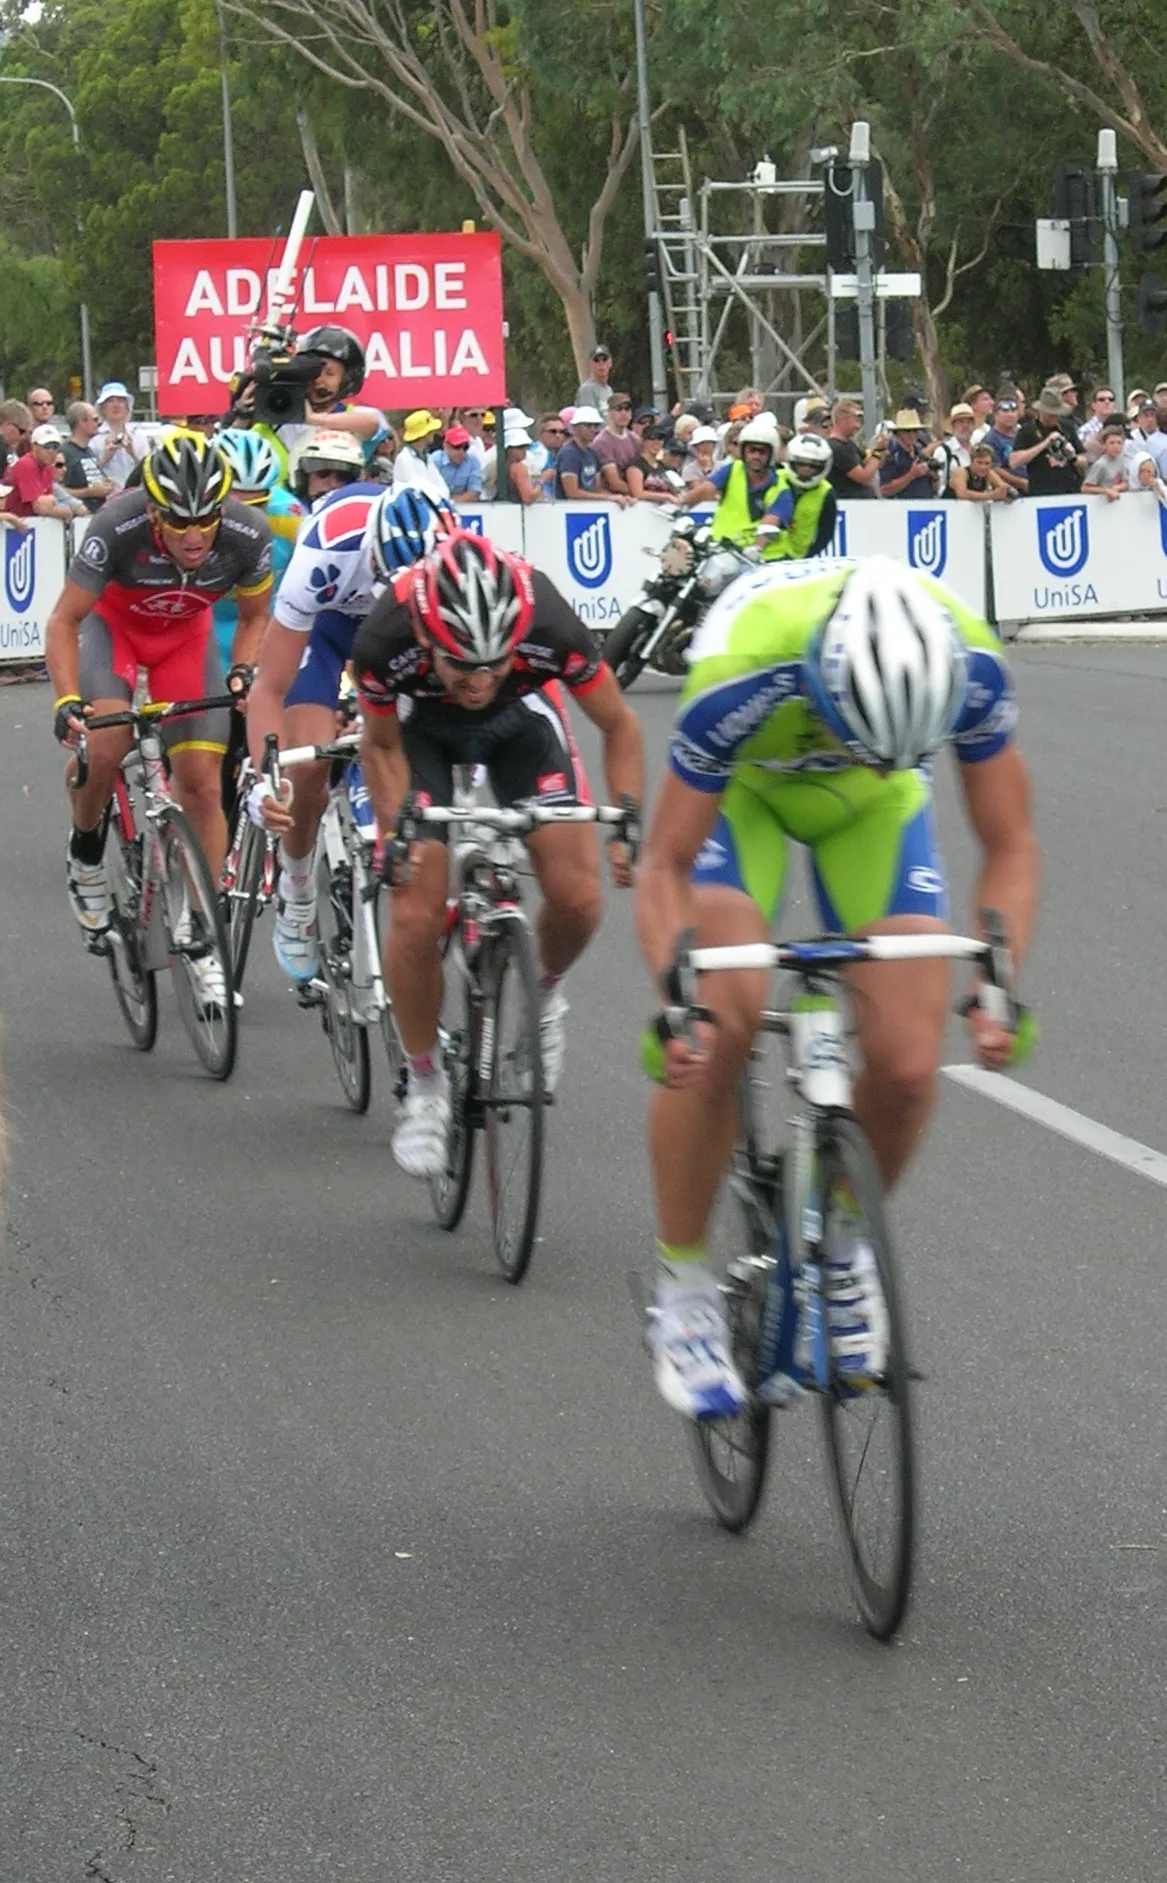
point(1144, 476)
point(1108, 471)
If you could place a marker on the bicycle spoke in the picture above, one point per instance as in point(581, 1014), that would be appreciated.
point(200, 957)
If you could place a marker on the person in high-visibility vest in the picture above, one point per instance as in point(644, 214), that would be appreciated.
point(742, 488)
point(801, 516)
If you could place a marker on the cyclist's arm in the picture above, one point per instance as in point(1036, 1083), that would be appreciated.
point(998, 800)
point(250, 622)
point(279, 660)
point(385, 766)
point(607, 709)
point(62, 634)
point(682, 819)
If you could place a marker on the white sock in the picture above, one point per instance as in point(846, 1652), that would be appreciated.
point(297, 875)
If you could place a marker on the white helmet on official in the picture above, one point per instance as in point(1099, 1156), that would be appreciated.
point(808, 459)
point(761, 430)
point(888, 672)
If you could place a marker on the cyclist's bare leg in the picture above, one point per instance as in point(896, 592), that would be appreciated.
point(106, 752)
point(566, 860)
point(307, 725)
point(413, 966)
point(198, 789)
point(900, 1011)
point(692, 1130)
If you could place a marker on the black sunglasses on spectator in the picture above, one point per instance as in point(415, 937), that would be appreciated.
point(557, 431)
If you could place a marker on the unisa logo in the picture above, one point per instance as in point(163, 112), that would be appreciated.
point(1063, 538)
point(838, 543)
point(928, 540)
point(589, 549)
point(20, 568)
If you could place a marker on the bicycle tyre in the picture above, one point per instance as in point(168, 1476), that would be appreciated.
point(451, 1188)
point(515, 1092)
point(134, 985)
point(732, 1455)
point(881, 1596)
point(241, 902)
point(348, 1039)
point(620, 647)
point(214, 1035)
point(390, 1038)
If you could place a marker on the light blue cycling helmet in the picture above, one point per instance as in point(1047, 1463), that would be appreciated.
point(404, 526)
point(254, 461)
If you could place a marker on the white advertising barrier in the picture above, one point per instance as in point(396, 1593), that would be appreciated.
point(502, 522)
point(1063, 558)
point(33, 576)
point(595, 553)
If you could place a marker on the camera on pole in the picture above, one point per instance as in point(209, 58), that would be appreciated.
point(1148, 212)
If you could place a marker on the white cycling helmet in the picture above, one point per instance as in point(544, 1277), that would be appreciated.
point(760, 431)
point(322, 450)
point(888, 671)
point(808, 459)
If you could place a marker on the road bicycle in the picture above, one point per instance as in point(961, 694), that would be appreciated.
point(247, 884)
point(165, 908)
point(491, 1046)
point(795, 1200)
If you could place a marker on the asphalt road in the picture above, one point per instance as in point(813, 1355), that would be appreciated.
point(326, 1554)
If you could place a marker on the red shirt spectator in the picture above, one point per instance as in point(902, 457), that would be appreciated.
point(29, 478)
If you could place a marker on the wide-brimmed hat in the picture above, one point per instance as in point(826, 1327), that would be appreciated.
point(961, 411)
point(586, 415)
point(112, 389)
point(420, 425)
point(704, 435)
point(518, 435)
point(908, 421)
point(1050, 403)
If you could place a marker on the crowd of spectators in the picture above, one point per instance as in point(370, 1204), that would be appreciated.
point(991, 447)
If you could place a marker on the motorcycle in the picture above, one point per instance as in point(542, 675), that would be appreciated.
point(657, 630)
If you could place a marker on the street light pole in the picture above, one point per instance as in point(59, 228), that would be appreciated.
point(644, 118)
point(228, 131)
point(1107, 171)
point(86, 362)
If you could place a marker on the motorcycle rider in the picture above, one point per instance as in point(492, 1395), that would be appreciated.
point(743, 488)
point(800, 518)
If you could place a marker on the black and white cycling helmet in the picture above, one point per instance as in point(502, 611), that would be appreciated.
point(321, 450)
point(186, 477)
point(887, 672)
point(808, 459)
point(337, 343)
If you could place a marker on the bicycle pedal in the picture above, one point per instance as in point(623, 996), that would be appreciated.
point(99, 944)
point(309, 994)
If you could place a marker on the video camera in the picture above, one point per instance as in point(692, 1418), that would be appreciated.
point(278, 378)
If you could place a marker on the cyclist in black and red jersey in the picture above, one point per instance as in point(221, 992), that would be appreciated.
point(477, 642)
point(139, 594)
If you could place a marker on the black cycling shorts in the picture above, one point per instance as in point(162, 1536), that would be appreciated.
point(527, 749)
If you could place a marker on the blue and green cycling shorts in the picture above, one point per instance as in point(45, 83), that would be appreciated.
point(873, 851)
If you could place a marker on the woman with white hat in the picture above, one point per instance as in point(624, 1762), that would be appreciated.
point(514, 483)
point(116, 445)
point(413, 467)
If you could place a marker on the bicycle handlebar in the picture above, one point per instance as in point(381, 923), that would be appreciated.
point(519, 818)
point(138, 717)
point(344, 747)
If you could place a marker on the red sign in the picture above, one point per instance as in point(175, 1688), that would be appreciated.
point(426, 308)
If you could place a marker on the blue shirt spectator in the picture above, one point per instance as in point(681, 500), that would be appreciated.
point(459, 465)
point(576, 458)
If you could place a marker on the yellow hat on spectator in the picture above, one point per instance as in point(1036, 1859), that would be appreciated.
point(420, 425)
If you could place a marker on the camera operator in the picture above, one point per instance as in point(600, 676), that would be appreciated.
point(1046, 448)
point(905, 470)
point(315, 385)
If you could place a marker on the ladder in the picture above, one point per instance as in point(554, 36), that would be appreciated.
point(674, 232)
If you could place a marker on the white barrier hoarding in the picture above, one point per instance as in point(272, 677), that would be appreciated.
point(595, 553)
point(33, 576)
point(1059, 558)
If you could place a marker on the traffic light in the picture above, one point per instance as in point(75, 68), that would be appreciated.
point(1152, 305)
point(847, 330)
point(652, 279)
point(899, 332)
point(1148, 212)
point(839, 222)
point(1074, 203)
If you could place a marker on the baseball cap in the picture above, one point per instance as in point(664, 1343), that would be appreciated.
point(457, 435)
point(600, 353)
point(704, 435)
point(1162, 386)
point(645, 412)
point(1145, 405)
point(47, 435)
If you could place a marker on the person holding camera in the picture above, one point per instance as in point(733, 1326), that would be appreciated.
point(1046, 448)
point(905, 470)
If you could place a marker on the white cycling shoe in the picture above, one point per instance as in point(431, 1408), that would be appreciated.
point(553, 1035)
point(419, 1142)
point(89, 896)
point(210, 985)
point(294, 937)
point(857, 1324)
point(689, 1343)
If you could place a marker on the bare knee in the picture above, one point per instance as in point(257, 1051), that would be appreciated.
point(903, 1078)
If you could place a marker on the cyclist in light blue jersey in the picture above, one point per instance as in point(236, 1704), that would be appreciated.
point(255, 472)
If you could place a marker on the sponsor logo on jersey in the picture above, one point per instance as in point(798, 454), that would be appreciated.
point(19, 568)
point(712, 855)
point(341, 525)
point(925, 882)
point(552, 785)
point(589, 549)
point(1063, 538)
point(95, 551)
point(928, 540)
point(171, 605)
point(324, 581)
point(691, 758)
point(737, 725)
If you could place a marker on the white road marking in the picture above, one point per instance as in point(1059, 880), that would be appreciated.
point(1060, 1118)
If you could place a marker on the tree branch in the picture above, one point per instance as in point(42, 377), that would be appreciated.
point(316, 177)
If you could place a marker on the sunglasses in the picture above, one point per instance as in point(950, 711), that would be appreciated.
point(180, 525)
point(473, 415)
point(557, 431)
point(753, 447)
point(1008, 405)
point(466, 669)
point(620, 405)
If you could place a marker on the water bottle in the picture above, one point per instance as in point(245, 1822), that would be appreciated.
point(360, 803)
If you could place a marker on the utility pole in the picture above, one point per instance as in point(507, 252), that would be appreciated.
point(86, 361)
point(1107, 171)
point(644, 118)
point(228, 129)
point(863, 222)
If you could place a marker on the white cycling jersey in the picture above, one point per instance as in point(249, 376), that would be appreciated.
point(330, 568)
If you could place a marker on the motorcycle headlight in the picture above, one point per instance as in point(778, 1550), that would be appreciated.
point(676, 558)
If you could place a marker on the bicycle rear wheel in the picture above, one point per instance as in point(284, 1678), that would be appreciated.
point(348, 1039)
point(243, 882)
point(870, 1455)
point(731, 1455)
point(133, 983)
point(514, 1096)
point(200, 954)
point(450, 1189)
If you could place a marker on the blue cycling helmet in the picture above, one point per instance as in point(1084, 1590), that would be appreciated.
point(403, 526)
point(254, 461)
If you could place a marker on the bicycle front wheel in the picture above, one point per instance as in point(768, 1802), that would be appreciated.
point(348, 1039)
point(451, 1187)
point(243, 882)
point(513, 1096)
point(133, 983)
point(200, 954)
point(870, 1455)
